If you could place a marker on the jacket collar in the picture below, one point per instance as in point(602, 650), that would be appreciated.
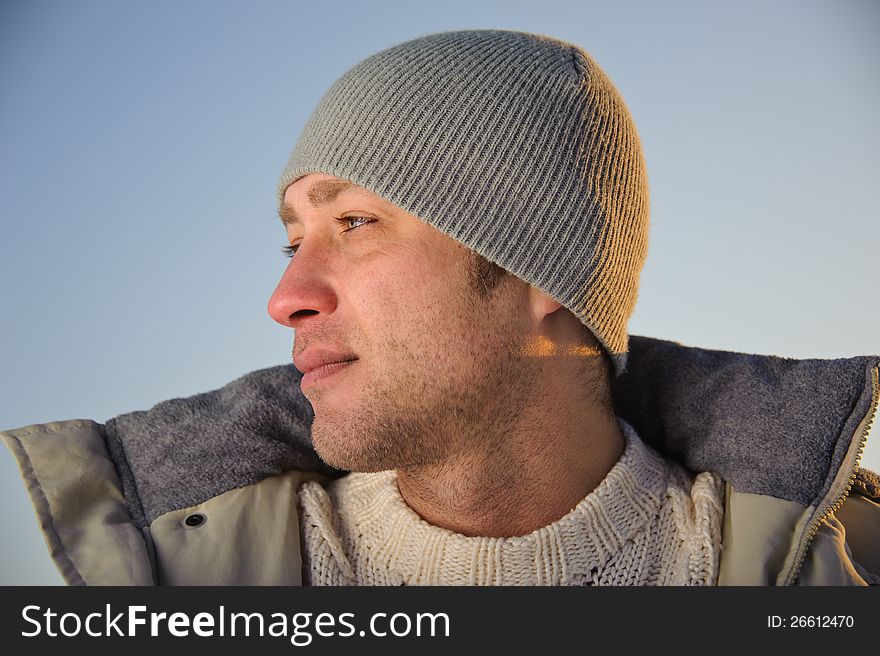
point(767, 424)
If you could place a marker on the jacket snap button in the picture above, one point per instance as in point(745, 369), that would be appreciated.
point(196, 519)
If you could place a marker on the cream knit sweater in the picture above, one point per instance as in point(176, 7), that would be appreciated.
point(649, 522)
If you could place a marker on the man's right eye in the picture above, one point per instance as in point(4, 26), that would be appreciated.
point(290, 250)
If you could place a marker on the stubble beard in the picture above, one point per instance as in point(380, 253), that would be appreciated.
point(420, 418)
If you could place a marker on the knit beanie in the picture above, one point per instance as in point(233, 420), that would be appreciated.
point(516, 145)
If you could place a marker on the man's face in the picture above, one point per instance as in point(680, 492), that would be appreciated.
point(429, 360)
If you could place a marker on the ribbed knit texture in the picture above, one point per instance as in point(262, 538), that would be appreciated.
point(649, 522)
point(515, 144)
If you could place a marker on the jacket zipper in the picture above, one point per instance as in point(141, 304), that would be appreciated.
point(834, 507)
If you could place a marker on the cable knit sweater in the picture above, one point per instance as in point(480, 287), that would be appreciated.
point(649, 522)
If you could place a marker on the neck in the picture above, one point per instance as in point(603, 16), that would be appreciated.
point(555, 451)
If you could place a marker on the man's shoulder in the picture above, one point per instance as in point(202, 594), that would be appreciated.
point(787, 432)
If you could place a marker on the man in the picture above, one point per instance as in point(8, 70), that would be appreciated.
point(467, 216)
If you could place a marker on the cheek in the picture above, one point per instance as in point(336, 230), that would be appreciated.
point(411, 281)
point(418, 309)
point(413, 297)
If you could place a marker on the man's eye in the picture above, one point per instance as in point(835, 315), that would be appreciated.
point(351, 222)
point(354, 222)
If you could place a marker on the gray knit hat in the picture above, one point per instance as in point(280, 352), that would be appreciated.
point(516, 145)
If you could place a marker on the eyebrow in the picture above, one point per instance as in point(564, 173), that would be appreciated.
point(320, 193)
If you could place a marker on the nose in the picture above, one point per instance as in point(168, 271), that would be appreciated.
point(304, 290)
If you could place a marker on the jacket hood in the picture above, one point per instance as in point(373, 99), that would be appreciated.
point(769, 425)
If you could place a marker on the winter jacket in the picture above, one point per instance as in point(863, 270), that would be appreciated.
point(202, 490)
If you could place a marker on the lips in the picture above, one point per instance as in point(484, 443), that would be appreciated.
point(320, 364)
point(311, 359)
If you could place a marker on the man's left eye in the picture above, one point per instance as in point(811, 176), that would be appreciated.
point(354, 222)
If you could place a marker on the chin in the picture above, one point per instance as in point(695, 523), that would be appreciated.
point(352, 462)
point(345, 453)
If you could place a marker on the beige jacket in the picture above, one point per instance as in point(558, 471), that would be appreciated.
point(202, 491)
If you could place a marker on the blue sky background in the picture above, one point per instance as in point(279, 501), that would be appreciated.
point(140, 144)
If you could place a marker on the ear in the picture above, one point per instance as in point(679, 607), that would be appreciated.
point(541, 305)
